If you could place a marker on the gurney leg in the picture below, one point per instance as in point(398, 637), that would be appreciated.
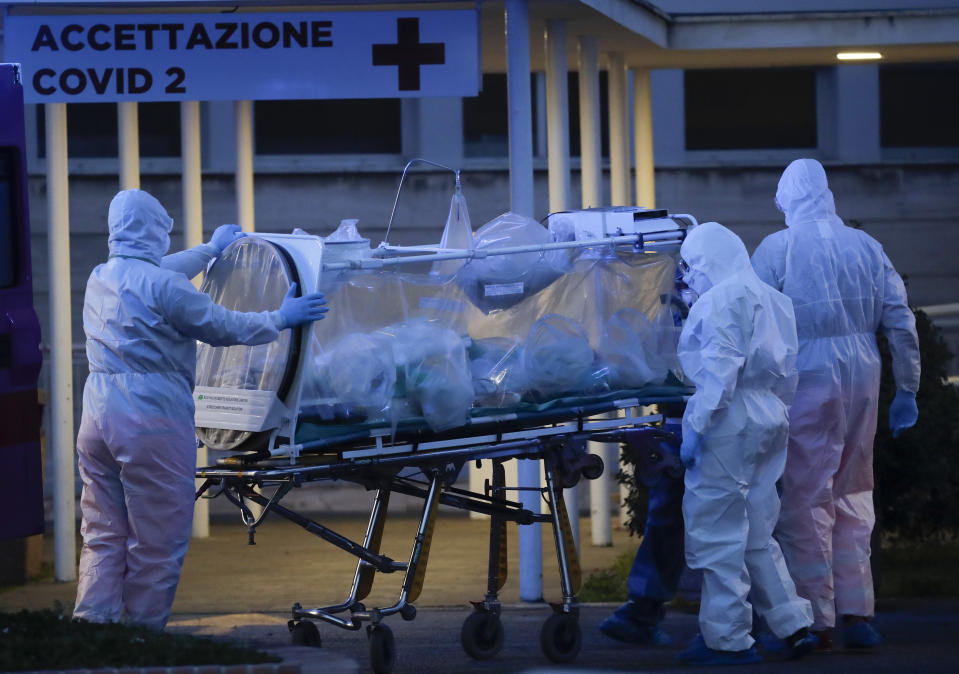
point(416, 570)
point(363, 581)
point(561, 636)
point(482, 633)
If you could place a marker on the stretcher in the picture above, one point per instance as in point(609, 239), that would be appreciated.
point(425, 465)
point(434, 358)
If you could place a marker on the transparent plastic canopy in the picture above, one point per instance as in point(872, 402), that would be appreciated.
point(251, 275)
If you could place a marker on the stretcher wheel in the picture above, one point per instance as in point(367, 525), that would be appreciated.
point(561, 638)
point(482, 635)
point(593, 468)
point(382, 648)
point(305, 633)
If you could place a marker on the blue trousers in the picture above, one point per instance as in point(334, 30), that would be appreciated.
point(660, 561)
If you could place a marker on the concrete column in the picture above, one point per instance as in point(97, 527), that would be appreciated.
point(520, 108)
point(643, 139)
point(129, 142)
point(193, 236)
point(590, 140)
point(61, 440)
point(433, 129)
point(521, 201)
point(243, 119)
point(557, 115)
point(618, 131)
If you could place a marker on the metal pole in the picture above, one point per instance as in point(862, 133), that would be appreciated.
point(520, 108)
point(521, 201)
point(61, 352)
point(590, 141)
point(129, 145)
point(618, 131)
point(601, 528)
point(643, 139)
point(243, 112)
point(193, 236)
point(557, 115)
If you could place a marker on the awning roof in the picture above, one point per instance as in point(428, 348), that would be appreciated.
point(668, 33)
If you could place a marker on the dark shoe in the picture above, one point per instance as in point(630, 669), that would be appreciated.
point(825, 637)
point(633, 632)
point(858, 632)
point(800, 643)
point(698, 653)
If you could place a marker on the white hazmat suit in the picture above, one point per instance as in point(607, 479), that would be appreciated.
point(843, 289)
point(137, 443)
point(738, 346)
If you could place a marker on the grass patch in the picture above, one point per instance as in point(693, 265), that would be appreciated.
point(608, 585)
point(38, 640)
point(916, 571)
point(927, 571)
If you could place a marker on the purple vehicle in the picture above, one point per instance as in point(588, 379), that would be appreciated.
point(21, 498)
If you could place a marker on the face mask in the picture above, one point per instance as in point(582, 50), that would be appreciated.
point(695, 279)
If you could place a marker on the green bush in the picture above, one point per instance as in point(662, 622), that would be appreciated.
point(917, 474)
point(45, 640)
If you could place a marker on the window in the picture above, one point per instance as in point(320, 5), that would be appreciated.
point(92, 130)
point(919, 105)
point(750, 108)
point(486, 119)
point(352, 126)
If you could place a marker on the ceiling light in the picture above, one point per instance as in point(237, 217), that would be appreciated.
point(858, 55)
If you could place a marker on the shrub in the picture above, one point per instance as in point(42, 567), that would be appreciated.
point(917, 474)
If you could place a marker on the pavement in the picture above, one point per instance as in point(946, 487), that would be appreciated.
point(240, 592)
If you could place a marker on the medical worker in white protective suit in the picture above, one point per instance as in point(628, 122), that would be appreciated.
point(136, 445)
point(843, 289)
point(738, 346)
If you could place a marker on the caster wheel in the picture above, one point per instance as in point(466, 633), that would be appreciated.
point(482, 635)
point(305, 633)
point(593, 468)
point(561, 638)
point(382, 648)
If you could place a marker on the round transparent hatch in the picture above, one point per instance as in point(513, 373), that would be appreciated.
point(251, 275)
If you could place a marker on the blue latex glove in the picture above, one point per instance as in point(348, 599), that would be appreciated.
point(903, 413)
point(691, 448)
point(299, 310)
point(225, 235)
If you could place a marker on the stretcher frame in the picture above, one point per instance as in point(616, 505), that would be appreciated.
point(556, 436)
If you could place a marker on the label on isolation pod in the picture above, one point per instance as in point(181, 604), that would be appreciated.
point(499, 289)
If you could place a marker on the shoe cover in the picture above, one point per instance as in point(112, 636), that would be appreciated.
point(633, 632)
point(698, 653)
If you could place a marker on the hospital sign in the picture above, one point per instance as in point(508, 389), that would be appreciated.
point(240, 56)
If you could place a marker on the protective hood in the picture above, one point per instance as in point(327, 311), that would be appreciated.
point(139, 226)
point(713, 254)
point(803, 194)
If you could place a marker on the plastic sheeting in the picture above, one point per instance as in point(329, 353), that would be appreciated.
point(397, 345)
point(251, 275)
